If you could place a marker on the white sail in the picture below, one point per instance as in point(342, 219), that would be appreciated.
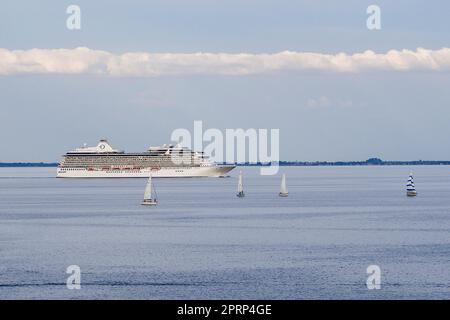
point(240, 183)
point(240, 189)
point(410, 184)
point(148, 189)
point(148, 194)
point(283, 184)
point(410, 188)
point(283, 189)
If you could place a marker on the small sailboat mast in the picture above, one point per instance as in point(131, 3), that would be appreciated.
point(283, 189)
point(410, 188)
point(148, 193)
point(240, 189)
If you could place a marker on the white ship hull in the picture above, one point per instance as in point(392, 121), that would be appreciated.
point(179, 172)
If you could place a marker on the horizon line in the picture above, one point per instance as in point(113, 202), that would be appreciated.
point(371, 161)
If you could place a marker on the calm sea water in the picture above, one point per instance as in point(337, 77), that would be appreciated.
point(202, 242)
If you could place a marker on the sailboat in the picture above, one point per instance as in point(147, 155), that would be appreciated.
point(283, 190)
point(149, 200)
point(410, 188)
point(240, 190)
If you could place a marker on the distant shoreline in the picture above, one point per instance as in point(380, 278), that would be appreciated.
point(27, 164)
point(348, 164)
point(369, 162)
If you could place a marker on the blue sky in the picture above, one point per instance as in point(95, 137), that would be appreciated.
point(321, 114)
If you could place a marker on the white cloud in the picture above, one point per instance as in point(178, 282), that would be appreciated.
point(318, 103)
point(87, 61)
point(324, 102)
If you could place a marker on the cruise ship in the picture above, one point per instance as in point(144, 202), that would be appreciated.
point(103, 161)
